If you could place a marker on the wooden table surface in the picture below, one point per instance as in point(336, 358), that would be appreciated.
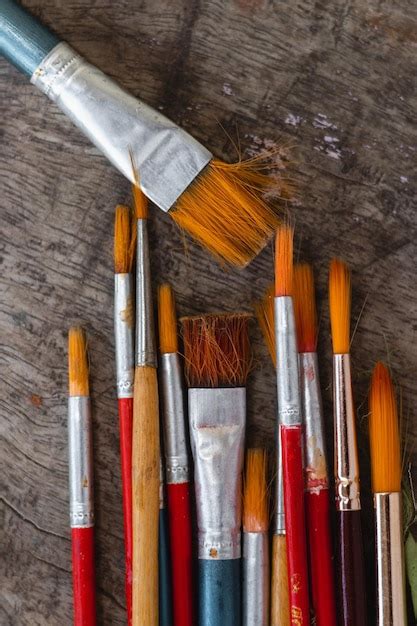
point(334, 79)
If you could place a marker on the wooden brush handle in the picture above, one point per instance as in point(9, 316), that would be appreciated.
point(83, 578)
point(165, 581)
point(352, 598)
point(145, 493)
point(280, 608)
point(125, 428)
point(219, 592)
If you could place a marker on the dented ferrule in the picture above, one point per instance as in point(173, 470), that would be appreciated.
point(255, 572)
point(217, 430)
point(124, 323)
point(80, 457)
point(145, 336)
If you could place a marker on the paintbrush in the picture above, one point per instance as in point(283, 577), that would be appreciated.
point(384, 435)
point(164, 561)
point(219, 204)
point(176, 460)
point(350, 565)
point(80, 456)
point(216, 365)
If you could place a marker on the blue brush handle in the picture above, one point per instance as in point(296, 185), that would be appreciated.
point(219, 590)
point(165, 587)
point(24, 41)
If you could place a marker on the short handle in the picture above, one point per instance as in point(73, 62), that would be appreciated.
point(125, 427)
point(83, 579)
point(280, 608)
point(165, 583)
point(351, 571)
point(24, 40)
point(219, 592)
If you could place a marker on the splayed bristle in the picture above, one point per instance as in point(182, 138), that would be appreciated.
point(140, 203)
point(305, 307)
point(217, 351)
point(168, 338)
point(123, 256)
point(384, 433)
point(284, 261)
point(340, 301)
point(255, 492)
point(265, 315)
point(77, 362)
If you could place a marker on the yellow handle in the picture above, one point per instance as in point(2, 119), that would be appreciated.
point(280, 611)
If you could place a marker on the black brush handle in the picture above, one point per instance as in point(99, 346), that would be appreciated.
point(351, 572)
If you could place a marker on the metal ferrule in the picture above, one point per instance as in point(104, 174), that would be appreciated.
point(315, 451)
point(217, 429)
point(391, 597)
point(80, 456)
point(255, 565)
point(346, 462)
point(121, 126)
point(145, 336)
point(161, 485)
point(175, 437)
point(124, 324)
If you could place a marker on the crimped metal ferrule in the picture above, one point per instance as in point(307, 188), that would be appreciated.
point(120, 125)
point(391, 609)
point(346, 462)
point(175, 437)
point(255, 565)
point(124, 324)
point(217, 429)
point(80, 457)
point(145, 336)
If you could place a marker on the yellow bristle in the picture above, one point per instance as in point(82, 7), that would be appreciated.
point(255, 492)
point(284, 261)
point(305, 307)
point(140, 203)
point(168, 338)
point(340, 301)
point(77, 363)
point(122, 240)
point(384, 433)
point(265, 314)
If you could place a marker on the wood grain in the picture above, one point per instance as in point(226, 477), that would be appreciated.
point(335, 79)
point(280, 603)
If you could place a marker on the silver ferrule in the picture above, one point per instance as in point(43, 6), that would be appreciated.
point(121, 126)
point(346, 462)
point(124, 333)
point(145, 335)
point(255, 566)
point(315, 451)
point(80, 457)
point(391, 609)
point(217, 430)
point(175, 436)
point(161, 485)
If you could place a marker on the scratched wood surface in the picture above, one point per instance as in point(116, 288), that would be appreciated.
point(335, 79)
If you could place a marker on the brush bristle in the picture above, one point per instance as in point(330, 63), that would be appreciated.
point(305, 307)
point(217, 351)
point(140, 203)
point(284, 261)
point(384, 433)
point(265, 314)
point(77, 362)
point(122, 240)
point(255, 492)
point(340, 302)
point(168, 338)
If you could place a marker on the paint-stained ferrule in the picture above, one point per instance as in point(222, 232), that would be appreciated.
point(175, 436)
point(80, 456)
point(120, 125)
point(217, 430)
point(346, 462)
point(161, 485)
point(145, 336)
point(255, 569)
point(124, 324)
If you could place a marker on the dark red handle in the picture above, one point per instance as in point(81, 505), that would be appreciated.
point(125, 426)
point(321, 557)
point(293, 478)
point(83, 578)
point(179, 509)
point(350, 567)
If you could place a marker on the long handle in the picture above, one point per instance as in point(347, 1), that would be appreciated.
point(83, 577)
point(280, 606)
point(165, 581)
point(145, 493)
point(351, 569)
point(126, 427)
point(219, 592)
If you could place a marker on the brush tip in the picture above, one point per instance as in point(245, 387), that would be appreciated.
point(264, 310)
point(77, 362)
point(140, 202)
point(255, 492)
point(122, 236)
point(305, 307)
point(168, 338)
point(340, 304)
point(284, 260)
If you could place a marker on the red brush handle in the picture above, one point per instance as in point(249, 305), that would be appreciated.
point(293, 478)
point(180, 529)
point(83, 577)
point(321, 557)
point(125, 426)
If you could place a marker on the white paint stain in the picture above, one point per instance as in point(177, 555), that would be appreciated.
point(293, 120)
point(321, 121)
point(329, 139)
point(227, 89)
point(404, 179)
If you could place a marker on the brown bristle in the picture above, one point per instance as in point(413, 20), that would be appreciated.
point(168, 338)
point(305, 307)
point(217, 351)
point(284, 261)
point(255, 492)
point(340, 301)
point(265, 314)
point(123, 257)
point(384, 433)
point(77, 362)
point(140, 203)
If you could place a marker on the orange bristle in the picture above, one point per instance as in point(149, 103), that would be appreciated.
point(217, 351)
point(384, 433)
point(168, 338)
point(265, 314)
point(284, 261)
point(305, 307)
point(77, 362)
point(140, 203)
point(255, 492)
point(340, 302)
point(123, 256)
